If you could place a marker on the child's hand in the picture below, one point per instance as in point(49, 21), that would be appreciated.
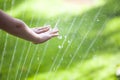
point(45, 33)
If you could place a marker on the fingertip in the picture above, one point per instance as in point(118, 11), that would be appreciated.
point(48, 26)
point(55, 35)
point(54, 32)
point(55, 28)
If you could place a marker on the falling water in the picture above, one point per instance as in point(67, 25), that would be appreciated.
point(13, 56)
point(95, 39)
point(4, 6)
point(92, 43)
point(63, 38)
point(28, 49)
point(35, 52)
point(25, 59)
point(90, 28)
point(20, 61)
point(41, 60)
point(44, 52)
point(5, 44)
point(31, 61)
point(14, 52)
point(4, 51)
point(62, 45)
point(70, 42)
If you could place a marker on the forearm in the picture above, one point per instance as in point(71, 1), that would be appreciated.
point(21, 30)
point(16, 27)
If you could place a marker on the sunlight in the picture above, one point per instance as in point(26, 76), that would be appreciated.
point(54, 8)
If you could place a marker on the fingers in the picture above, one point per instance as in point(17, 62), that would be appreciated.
point(54, 35)
point(54, 32)
point(41, 30)
point(47, 31)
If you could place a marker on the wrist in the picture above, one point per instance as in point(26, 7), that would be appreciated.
point(36, 39)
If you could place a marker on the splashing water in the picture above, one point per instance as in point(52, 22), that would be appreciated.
point(98, 20)
point(60, 46)
point(65, 36)
point(60, 37)
point(69, 41)
point(56, 58)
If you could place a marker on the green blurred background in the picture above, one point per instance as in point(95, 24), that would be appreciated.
point(88, 47)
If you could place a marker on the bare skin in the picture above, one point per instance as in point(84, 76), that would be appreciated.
point(18, 28)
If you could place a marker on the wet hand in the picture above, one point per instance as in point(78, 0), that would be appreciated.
point(39, 30)
point(45, 33)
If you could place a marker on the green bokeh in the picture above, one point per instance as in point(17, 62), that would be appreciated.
point(96, 59)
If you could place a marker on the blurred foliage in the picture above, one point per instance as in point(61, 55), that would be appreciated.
point(8, 4)
point(93, 61)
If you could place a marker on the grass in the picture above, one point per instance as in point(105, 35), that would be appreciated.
point(96, 68)
point(103, 55)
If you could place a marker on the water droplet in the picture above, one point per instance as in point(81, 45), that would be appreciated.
point(60, 46)
point(65, 36)
point(38, 58)
point(60, 37)
point(69, 41)
point(98, 20)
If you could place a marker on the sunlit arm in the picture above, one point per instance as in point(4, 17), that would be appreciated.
point(18, 28)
